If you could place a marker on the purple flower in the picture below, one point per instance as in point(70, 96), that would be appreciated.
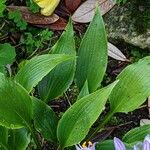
point(84, 147)
point(119, 145)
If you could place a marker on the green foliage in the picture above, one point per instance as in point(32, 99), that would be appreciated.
point(32, 6)
point(137, 134)
point(92, 55)
point(45, 120)
point(3, 137)
point(132, 88)
point(7, 55)
point(121, 1)
point(54, 73)
point(18, 20)
point(79, 118)
point(59, 79)
point(15, 104)
point(18, 139)
point(34, 42)
point(37, 68)
point(2, 7)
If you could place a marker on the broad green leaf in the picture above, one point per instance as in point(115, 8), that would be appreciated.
point(105, 145)
point(59, 79)
point(137, 134)
point(109, 145)
point(78, 119)
point(3, 138)
point(133, 87)
point(84, 91)
point(15, 104)
point(18, 139)
point(7, 54)
point(92, 55)
point(45, 120)
point(37, 68)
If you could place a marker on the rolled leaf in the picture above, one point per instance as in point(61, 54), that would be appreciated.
point(59, 79)
point(92, 55)
point(37, 68)
point(133, 87)
point(78, 119)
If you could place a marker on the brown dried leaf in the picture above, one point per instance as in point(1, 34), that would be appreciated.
point(32, 18)
point(115, 53)
point(58, 25)
point(72, 5)
point(86, 11)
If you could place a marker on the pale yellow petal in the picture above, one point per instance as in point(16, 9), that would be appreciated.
point(49, 9)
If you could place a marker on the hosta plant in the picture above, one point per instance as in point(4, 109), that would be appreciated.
point(26, 119)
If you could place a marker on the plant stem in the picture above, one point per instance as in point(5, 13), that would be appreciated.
point(101, 126)
point(35, 137)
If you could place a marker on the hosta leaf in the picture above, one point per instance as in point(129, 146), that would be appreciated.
point(133, 87)
point(7, 54)
point(106, 145)
point(45, 120)
point(3, 137)
point(77, 120)
point(84, 91)
point(92, 55)
point(59, 79)
point(18, 139)
point(37, 68)
point(109, 145)
point(15, 104)
point(137, 134)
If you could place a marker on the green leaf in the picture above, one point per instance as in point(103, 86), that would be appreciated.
point(7, 54)
point(133, 87)
point(92, 55)
point(84, 91)
point(78, 119)
point(18, 139)
point(105, 145)
point(15, 104)
point(59, 79)
point(45, 120)
point(37, 68)
point(3, 137)
point(137, 134)
point(2, 7)
point(16, 16)
point(109, 145)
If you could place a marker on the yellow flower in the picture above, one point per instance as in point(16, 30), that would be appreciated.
point(47, 6)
